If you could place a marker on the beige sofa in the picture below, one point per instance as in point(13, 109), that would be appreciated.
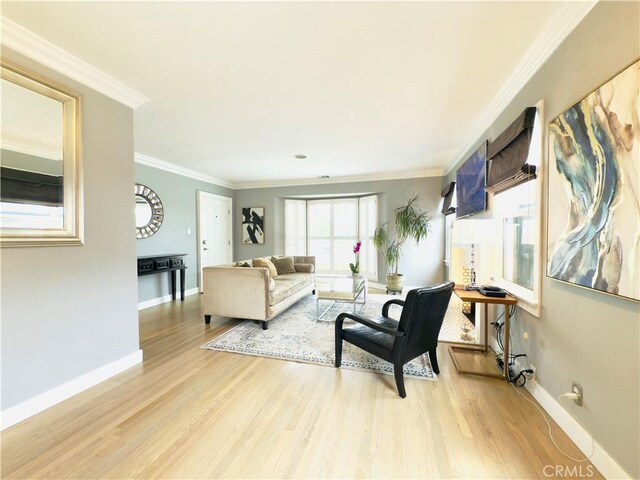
point(249, 292)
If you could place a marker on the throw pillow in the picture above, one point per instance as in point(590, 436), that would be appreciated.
point(284, 265)
point(265, 262)
point(245, 263)
point(305, 267)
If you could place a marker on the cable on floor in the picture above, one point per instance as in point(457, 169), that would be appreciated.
point(544, 415)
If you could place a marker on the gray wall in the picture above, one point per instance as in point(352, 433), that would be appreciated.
point(584, 335)
point(69, 310)
point(178, 195)
point(30, 163)
point(421, 265)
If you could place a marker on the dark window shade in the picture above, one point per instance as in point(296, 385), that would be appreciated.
point(507, 156)
point(447, 195)
point(18, 186)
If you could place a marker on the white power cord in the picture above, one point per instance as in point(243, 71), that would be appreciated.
point(593, 447)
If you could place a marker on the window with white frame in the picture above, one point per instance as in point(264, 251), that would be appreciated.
point(28, 215)
point(329, 229)
point(368, 222)
point(449, 220)
point(332, 228)
point(518, 212)
point(295, 227)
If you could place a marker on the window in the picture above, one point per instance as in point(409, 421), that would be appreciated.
point(329, 229)
point(333, 231)
point(518, 211)
point(368, 218)
point(449, 221)
point(518, 239)
point(29, 215)
point(295, 227)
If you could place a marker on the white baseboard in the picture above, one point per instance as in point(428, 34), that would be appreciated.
point(601, 459)
point(48, 399)
point(165, 299)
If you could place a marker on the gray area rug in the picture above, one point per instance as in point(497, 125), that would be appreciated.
point(296, 335)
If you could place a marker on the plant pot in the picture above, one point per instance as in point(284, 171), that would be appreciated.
point(394, 283)
point(356, 279)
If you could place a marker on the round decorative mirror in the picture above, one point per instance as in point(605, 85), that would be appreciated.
point(149, 211)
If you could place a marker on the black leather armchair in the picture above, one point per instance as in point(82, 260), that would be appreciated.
point(400, 341)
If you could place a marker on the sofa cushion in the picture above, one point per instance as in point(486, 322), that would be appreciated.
point(265, 262)
point(284, 265)
point(304, 267)
point(289, 284)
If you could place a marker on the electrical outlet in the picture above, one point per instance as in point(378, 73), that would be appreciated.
point(531, 376)
point(577, 389)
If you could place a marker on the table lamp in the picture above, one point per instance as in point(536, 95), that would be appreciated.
point(473, 232)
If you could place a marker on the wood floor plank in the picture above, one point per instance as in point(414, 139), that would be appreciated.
point(193, 413)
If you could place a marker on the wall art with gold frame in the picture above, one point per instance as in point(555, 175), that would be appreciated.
point(593, 203)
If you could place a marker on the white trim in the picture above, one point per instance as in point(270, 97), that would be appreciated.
point(164, 299)
point(41, 402)
point(561, 24)
point(601, 459)
point(428, 172)
point(50, 153)
point(27, 43)
point(150, 161)
point(187, 172)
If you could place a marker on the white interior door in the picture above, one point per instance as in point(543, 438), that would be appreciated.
point(214, 231)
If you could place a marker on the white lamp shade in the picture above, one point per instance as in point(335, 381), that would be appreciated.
point(475, 232)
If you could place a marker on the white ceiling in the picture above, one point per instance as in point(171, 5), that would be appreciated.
point(237, 89)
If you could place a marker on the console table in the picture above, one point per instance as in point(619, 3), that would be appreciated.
point(171, 263)
point(458, 351)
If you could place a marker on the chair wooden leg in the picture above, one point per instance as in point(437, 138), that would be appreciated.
point(265, 325)
point(207, 319)
point(338, 350)
point(397, 371)
point(434, 361)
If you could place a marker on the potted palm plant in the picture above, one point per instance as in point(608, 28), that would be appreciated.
point(411, 222)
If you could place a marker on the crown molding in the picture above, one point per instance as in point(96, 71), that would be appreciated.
point(429, 172)
point(42, 151)
point(150, 161)
point(178, 170)
point(27, 43)
point(557, 29)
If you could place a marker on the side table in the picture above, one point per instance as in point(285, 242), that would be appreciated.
point(458, 351)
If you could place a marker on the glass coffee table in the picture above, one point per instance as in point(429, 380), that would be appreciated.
point(340, 290)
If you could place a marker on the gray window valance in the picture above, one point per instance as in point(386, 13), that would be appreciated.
point(447, 195)
point(507, 155)
point(19, 186)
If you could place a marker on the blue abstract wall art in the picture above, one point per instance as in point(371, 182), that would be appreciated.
point(594, 189)
point(471, 196)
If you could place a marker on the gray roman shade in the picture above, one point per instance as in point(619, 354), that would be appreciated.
point(507, 155)
point(19, 186)
point(447, 195)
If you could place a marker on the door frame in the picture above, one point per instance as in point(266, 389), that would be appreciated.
point(199, 195)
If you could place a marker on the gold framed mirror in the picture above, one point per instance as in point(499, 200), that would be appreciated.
point(41, 198)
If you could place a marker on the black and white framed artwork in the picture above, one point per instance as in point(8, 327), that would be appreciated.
point(253, 225)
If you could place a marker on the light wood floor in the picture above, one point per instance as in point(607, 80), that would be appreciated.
point(192, 413)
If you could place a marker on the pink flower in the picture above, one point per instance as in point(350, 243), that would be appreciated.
point(356, 249)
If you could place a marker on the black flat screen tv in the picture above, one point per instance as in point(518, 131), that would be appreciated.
point(470, 184)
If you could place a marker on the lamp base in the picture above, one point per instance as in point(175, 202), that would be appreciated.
point(471, 286)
